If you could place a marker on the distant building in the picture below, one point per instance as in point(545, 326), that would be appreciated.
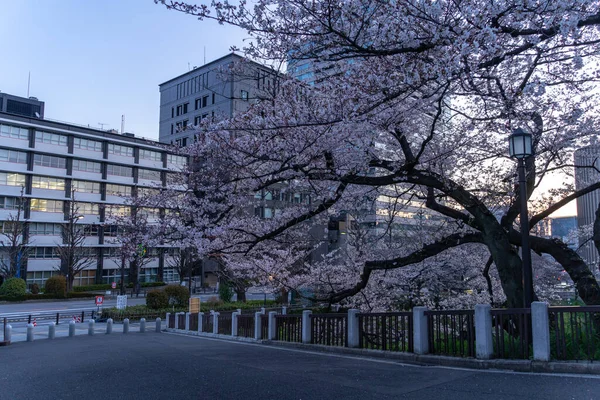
point(588, 203)
point(31, 107)
point(565, 228)
point(209, 91)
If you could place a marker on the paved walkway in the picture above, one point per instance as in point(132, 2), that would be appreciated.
point(152, 366)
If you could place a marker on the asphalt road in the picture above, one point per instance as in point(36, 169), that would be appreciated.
point(168, 366)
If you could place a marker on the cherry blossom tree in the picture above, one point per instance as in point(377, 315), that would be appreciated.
point(412, 101)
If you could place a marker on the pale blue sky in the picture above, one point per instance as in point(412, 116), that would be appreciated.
point(93, 60)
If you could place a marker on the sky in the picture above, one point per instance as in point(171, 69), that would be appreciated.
point(92, 61)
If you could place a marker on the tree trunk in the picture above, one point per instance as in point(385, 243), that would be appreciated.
point(241, 294)
point(596, 235)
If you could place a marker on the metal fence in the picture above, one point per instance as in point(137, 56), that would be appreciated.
point(52, 316)
point(575, 333)
point(181, 321)
point(225, 321)
point(451, 332)
point(246, 325)
point(193, 321)
point(386, 331)
point(207, 323)
point(288, 328)
point(512, 333)
point(171, 321)
point(329, 329)
point(264, 326)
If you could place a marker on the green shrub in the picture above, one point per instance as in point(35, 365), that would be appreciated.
point(147, 284)
point(225, 292)
point(91, 288)
point(157, 299)
point(80, 295)
point(13, 287)
point(178, 295)
point(35, 289)
point(56, 285)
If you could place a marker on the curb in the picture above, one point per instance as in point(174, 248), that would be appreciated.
point(556, 367)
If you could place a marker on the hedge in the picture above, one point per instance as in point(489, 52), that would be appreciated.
point(42, 296)
point(108, 286)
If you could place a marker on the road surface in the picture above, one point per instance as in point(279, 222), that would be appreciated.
point(153, 366)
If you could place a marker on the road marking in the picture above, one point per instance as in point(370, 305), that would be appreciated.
point(389, 362)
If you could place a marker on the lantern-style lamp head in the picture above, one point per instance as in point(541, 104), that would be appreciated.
point(520, 144)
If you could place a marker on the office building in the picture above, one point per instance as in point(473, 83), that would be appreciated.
point(588, 203)
point(47, 165)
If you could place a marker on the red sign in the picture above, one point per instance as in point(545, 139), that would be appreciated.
point(99, 300)
point(114, 285)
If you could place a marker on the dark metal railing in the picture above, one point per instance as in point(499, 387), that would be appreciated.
point(575, 333)
point(52, 316)
point(264, 326)
point(512, 333)
point(288, 328)
point(386, 331)
point(451, 332)
point(246, 325)
point(207, 323)
point(194, 322)
point(225, 321)
point(329, 329)
point(171, 321)
point(181, 321)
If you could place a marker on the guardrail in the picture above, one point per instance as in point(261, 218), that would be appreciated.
point(58, 316)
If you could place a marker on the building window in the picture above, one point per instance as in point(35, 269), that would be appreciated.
point(86, 277)
point(197, 120)
point(50, 138)
point(118, 190)
point(150, 155)
point(10, 203)
point(119, 150)
point(86, 166)
point(86, 208)
point(175, 159)
point(113, 230)
point(119, 170)
point(43, 252)
point(197, 104)
point(18, 157)
point(41, 228)
point(179, 110)
point(12, 179)
point(14, 132)
point(172, 112)
point(86, 186)
point(91, 230)
point(145, 191)
point(53, 206)
point(204, 101)
point(49, 161)
point(244, 95)
point(213, 98)
point(87, 144)
point(46, 182)
point(120, 211)
point(149, 174)
point(185, 108)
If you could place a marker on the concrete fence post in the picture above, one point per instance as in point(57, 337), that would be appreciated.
point(234, 323)
point(484, 345)
point(167, 319)
point(306, 326)
point(353, 328)
point(52, 330)
point(142, 325)
point(109, 326)
point(420, 331)
point(30, 332)
point(272, 331)
point(239, 310)
point(216, 322)
point(187, 321)
point(283, 310)
point(158, 325)
point(126, 325)
point(176, 320)
point(91, 325)
point(8, 333)
point(71, 328)
point(257, 326)
point(262, 310)
point(540, 329)
point(200, 321)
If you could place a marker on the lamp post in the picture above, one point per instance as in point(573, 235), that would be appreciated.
point(520, 147)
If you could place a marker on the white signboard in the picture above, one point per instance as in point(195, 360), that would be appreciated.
point(121, 302)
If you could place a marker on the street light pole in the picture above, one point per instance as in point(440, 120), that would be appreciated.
point(520, 147)
point(525, 250)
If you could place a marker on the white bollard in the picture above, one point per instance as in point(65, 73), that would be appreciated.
point(158, 325)
point(484, 344)
point(353, 328)
point(272, 331)
point(109, 326)
point(421, 333)
point(91, 325)
point(306, 326)
point(142, 325)
point(257, 330)
point(541, 331)
point(126, 325)
point(71, 328)
point(30, 332)
point(234, 323)
point(52, 330)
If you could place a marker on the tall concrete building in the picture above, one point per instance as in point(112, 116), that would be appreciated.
point(216, 90)
point(588, 204)
point(45, 166)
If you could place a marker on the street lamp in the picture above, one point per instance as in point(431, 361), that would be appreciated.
point(520, 148)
